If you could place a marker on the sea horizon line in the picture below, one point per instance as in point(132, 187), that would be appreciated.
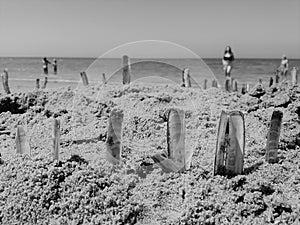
point(147, 58)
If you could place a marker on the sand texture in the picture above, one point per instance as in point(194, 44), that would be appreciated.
point(84, 188)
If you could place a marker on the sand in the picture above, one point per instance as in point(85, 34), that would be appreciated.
point(83, 188)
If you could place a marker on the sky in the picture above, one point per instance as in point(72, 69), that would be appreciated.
point(89, 28)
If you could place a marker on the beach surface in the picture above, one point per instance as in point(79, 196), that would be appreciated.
point(83, 188)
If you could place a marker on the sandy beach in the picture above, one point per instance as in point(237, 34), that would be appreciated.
point(149, 112)
point(83, 188)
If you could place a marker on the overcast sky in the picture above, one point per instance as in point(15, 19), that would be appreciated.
point(89, 28)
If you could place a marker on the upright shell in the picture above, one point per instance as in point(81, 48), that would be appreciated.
point(22, 144)
point(229, 158)
point(56, 138)
point(126, 70)
point(114, 136)
point(273, 137)
point(176, 137)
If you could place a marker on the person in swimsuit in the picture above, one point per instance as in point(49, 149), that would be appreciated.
point(284, 67)
point(54, 66)
point(227, 60)
point(45, 65)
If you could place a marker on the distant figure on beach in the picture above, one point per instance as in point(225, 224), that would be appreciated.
point(45, 65)
point(258, 90)
point(284, 66)
point(227, 60)
point(54, 64)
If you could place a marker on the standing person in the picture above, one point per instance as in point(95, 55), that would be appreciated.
point(45, 65)
point(227, 60)
point(54, 66)
point(284, 66)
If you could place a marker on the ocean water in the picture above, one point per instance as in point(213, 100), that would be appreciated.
point(24, 71)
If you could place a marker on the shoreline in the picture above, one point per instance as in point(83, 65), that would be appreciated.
point(26, 85)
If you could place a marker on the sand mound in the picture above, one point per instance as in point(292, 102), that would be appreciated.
point(83, 188)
